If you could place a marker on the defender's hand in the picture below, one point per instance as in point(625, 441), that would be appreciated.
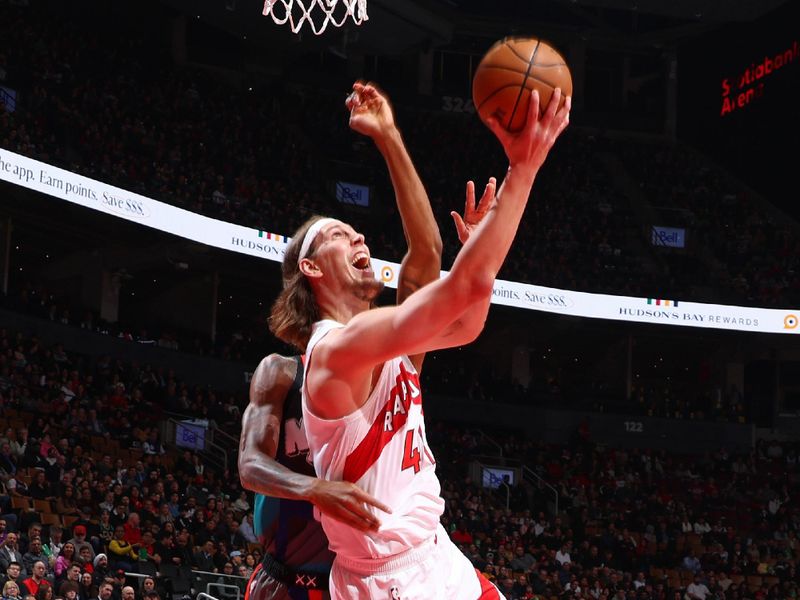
point(474, 215)
point(370, 111)
point(347, 503)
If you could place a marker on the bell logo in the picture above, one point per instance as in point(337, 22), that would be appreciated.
point(387, 274)
point(790, 322)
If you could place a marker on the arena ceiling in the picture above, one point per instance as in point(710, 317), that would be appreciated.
point(396, 26)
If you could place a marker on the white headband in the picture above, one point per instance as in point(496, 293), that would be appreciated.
point(312, 232)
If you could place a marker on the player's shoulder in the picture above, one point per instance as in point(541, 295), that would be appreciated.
point(277, 368)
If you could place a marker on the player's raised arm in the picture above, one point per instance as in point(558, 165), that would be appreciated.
point(261, 473)
point(371, 114)
point(421, 323)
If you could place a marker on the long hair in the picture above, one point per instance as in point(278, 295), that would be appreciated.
point(295, 310)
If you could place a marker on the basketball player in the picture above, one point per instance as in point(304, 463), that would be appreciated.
point(361, 395)
point(298, 560)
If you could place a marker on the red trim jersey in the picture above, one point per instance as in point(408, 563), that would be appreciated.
point(382, 448)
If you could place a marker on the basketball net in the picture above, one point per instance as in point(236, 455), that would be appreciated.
point(318, 13)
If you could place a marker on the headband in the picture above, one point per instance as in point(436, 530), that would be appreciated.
point(312, 232)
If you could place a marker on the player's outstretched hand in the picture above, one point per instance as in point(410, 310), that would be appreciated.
point(528, 147)
point(347, 503)
point(370, 111)
point(473, 215)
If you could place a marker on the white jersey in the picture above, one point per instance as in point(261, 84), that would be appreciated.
point(382, 448)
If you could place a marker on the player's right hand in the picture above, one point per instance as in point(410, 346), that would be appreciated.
point(528, 147)
point(346, 502)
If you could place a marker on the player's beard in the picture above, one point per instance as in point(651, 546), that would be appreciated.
point(368, 290)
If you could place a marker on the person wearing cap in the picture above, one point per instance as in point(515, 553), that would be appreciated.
point(79, 540)
point(99, 568)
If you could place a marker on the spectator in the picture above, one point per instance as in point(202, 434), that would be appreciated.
point(54, 545)
point(85, 560)
point(87, 588)
point(250, 563)
point(71, 575)
point(9, 553)
point(242, 505)
point(8, 460)
point(35, 554)
point(36, 579)
point(13, 573)
point(64, 560)
point(182, 553)
point(246, 529)
point(66, 504)
point(34, 531)
point(44, 591)
point(133, 532)
point(153, 445)
point(104, 591)
point(147, 552)
point(204, 558)
point(10, 590)
point(39, 488)
point(128, 593)
point(226, 579)
point(461, 535)
point(79, 541)
point(522, 561)
point(691, 562)
point(69, 590)
point(563, 556)
point(148, 586)
point(121, 554)
point(697, 590)
point(100, 569)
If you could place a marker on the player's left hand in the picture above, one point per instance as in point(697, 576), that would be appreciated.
point(370, 111)
point(473, 215)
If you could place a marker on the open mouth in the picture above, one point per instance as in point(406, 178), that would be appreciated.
point(361, 261)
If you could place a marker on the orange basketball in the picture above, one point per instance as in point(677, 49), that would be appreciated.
point(508, 72)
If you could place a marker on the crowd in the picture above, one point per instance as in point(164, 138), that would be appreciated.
point(81, 442)
point(631, 523)
point(90, 492)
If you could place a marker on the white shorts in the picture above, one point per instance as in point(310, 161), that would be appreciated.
point(434, 570)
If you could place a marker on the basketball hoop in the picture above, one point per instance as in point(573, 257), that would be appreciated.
point(318, 13)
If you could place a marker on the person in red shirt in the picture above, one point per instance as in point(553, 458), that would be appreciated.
point(36, 579)
point(461, 535)
point(133, 534)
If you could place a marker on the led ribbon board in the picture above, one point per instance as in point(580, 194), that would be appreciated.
point(114, 201)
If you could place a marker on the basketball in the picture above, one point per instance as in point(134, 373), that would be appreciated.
point(512, 68)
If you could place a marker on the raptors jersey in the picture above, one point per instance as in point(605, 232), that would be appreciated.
point(381, 447)
point(287, 527)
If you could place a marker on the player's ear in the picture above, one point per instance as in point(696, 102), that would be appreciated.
point(309, 268)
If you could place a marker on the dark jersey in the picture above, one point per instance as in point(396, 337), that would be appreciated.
point(288, 528)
